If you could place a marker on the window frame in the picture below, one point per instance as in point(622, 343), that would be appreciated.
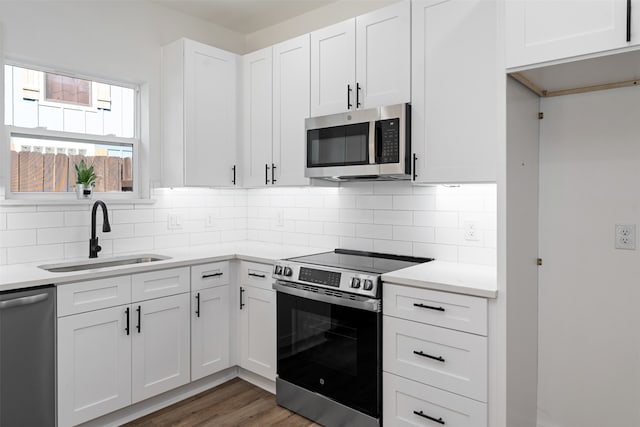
point(134, 142)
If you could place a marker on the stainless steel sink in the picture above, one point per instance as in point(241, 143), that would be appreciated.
point(99, 263)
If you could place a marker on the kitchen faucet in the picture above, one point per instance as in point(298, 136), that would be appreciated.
point(94, 248)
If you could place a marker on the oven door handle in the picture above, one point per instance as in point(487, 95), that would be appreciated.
point(367, 304)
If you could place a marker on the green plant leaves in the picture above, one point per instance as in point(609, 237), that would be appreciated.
point(85, 175)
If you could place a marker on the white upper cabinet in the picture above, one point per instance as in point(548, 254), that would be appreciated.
point(383, 56)
point(257, 124)
point(199, 117)
point(333, 68)
point(539, 30)
point(454, 91)
point(362, 62)
point(290, 108)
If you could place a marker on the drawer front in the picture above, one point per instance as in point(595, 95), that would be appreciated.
point(256, 274)
point(453, 311)
point(81, 297)
point(450, 360)
point(209, 275)
point(161, 283)
point(408, 403)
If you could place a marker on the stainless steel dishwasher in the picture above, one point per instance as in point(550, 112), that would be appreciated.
point(27, 357)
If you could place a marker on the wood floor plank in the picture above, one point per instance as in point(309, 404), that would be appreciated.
point(235, 403)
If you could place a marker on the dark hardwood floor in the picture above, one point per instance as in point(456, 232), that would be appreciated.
point(234, 403)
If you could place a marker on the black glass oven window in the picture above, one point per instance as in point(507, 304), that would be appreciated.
point(330, 278)
point(338, 146)
point(331, 350)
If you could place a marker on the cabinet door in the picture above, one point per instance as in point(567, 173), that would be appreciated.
point(291, 82)
point(258, 331)
point(538, 31)
point(383, 56)
point(257, 118)
point(210, 115)
point(94, 365)
point(454, 117)
point(209, 331)
point(160, 345)
point(333, 69)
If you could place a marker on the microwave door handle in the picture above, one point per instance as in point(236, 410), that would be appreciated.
point(372, 143)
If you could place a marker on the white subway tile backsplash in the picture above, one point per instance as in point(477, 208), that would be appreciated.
point(340, 201)
point(308, 227)
point(414, 202)
point(339, 229)
point(206, 238)
point(324, 241)
point(393, 217)
point(464, 203)
point(392, 188)
point(363, 216)
point(324, 214)
point(357, 244)
point(3, 256)
point(374, 202)
point(296, 213)
point(171, 241)
point(371, 231)
point(393, 247)
point(19, 221)
point(309, 201)
point(134, 244)
point(3, 221)
point(298, 239)
point(76, 218)
point(63, 235)
point(440, 252)
point(22, 254)
point(414, 234)
point(17, 209)
point(435, 219)
point(12, 238)
point(81, 249)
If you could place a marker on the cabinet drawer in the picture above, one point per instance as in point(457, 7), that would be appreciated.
point(92, 295)
point(209, 275)
point(453, 311)
point(450, 360)
point(408, 403)
point(161, 283)
point(255, 274)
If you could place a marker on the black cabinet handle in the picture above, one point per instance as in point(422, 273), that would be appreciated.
point(273, 171)
point(139, 310)
point(420, 353)
point(234, 175)
point(415, 175)
point(349, 104)
point(205, 276)
point(266, 174)
point(358, 95)
point(198, 304)
point(241, 292)
point(423, 415)
point(262, 276)
point(127, 313)
point(430, 307)
point(628, 21)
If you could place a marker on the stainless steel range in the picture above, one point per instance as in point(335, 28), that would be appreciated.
point(329, 329)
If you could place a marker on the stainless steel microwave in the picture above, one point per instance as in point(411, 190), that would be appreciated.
point(364, 144)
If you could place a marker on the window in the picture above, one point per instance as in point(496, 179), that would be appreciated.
point(57, 120)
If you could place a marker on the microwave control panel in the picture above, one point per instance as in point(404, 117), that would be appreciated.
point(388, 133)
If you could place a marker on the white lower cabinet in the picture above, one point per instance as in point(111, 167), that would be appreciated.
point(209, 331)
point(160, 346)
point(410, 403)
point(257, 320)
point(94, 365)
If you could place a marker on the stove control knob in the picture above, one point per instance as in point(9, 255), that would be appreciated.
point(278, 270)
point(368, 285)
point(355, 282)
point(288, 271)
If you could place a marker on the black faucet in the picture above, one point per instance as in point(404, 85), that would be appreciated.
point(94, 248)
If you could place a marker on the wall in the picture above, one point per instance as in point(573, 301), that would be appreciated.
point(589, 346)
point(311, 21)
point(384, 217)
point(115, 40)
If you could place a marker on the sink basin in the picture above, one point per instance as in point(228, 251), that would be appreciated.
point(99, 263)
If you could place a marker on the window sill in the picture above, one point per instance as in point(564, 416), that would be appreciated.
point(74, 202)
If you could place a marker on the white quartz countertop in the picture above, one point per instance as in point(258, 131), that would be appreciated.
point(20, 276)
point(469, 279)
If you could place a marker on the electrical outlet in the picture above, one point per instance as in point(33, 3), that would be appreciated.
point(174, 222)
point(280, 218)
point(626, 236)
point(471, 231)
point(210, 221)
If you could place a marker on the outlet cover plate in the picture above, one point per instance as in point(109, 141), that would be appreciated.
point(625, 236)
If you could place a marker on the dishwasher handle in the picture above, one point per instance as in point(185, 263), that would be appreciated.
point(17, 302)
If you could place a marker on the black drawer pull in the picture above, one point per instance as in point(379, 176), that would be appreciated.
point(127, 313)
point(430, 307)
point(234, 175)
point(241, 293)
point(423, 415)
point(420, 353)
point(198, 304)
point(262, 276)
point(205, 276)
point(139, 325)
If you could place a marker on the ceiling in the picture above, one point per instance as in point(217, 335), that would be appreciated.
point(244, 16)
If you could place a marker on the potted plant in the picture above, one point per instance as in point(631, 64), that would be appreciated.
point(85, 180)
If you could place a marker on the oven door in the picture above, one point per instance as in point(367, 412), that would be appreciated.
point(330, 349)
